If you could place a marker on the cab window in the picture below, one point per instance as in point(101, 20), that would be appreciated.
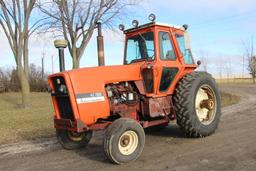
point(140, 47)
point(186, 53)
point(166, 48)
point(168, 75)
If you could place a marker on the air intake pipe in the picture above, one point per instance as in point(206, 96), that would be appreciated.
point(100, 44)
point(61, 45)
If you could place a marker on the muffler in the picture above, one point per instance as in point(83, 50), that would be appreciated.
point(61, 45)
point(100, 44)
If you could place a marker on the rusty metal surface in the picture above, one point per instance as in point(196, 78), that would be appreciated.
point(120, 103)
point(208, 104)
point(99, 126)
point(146, 124)
point(65, 124)
point(140, 85)
point(156, 107)
point(70, 125)
point(124, 110)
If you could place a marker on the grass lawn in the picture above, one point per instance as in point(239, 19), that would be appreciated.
point(18, 124)
point(27, 124)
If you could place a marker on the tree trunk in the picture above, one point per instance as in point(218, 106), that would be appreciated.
point(76, 59)
point(25, 58)
point(76, 63)
point(253, 80)
point(25, 89)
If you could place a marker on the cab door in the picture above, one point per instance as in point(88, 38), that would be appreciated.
point(169, 65)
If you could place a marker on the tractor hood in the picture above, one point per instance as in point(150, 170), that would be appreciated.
point(94, 79)
point(87, 92)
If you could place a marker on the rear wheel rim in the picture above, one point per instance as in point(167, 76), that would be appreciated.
point(205, 104)
point(128, 142)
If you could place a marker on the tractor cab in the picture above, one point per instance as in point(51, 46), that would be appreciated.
point(163, 51)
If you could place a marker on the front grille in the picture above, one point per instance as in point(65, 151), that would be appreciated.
point(62, 98)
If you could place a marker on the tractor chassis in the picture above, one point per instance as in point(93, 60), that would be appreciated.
point(78, 126)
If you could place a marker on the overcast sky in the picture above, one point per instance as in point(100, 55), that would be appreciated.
point(217, 30)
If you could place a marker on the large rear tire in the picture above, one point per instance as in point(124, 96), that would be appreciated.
point(124, 141)
point(197, 104)
point(73, 140)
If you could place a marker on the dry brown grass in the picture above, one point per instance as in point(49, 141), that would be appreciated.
point(18, 124)
point(235, 81)
point(36, 122)
point(229, 99)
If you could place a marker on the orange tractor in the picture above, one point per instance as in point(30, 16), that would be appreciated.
point(156, 84)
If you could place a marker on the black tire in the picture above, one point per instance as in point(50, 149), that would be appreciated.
point(113, 134)
point(71, 143)
point(184, 103)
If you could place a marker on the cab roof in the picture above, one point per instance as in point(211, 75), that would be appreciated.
point(154, 24)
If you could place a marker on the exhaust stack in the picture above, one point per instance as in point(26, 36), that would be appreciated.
point(61, 45)
point(100, 44)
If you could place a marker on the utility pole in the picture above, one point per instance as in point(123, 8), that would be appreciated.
point(43, 55)
point(52, 65)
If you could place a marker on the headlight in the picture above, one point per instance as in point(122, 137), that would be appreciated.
point(135, 23)
point(121, 27)
point(63, 88)
point(152, 17)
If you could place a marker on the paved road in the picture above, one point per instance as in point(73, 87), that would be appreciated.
point(232, 147)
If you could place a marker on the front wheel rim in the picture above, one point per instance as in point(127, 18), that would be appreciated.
point(128, 142)
point(205, 104)
point(75, 136)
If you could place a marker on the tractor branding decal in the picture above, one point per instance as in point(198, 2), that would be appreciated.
point(89, 97)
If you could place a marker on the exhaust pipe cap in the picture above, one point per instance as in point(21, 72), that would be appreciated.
point(60, 43)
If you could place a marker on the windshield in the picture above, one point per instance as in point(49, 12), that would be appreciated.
point(140, 47)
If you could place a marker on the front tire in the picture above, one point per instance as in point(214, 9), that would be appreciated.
point(124, 141)
point(73, 140)
point(197, 104)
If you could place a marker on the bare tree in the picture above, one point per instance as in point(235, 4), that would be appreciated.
point(15, 16)
point(251, 59)
point(228, 68)
point(252, 68)
point(219, 64)
point(76, 19)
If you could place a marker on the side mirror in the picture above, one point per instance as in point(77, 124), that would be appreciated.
point(187, 40)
